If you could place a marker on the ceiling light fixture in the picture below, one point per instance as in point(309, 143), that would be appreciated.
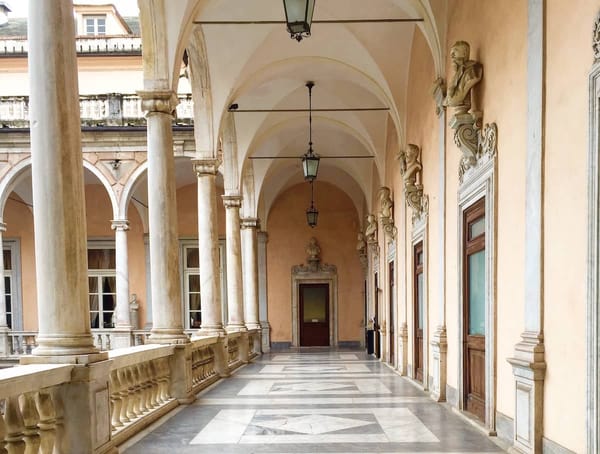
point(312, 214)
point(298, 16)
point(310, 160)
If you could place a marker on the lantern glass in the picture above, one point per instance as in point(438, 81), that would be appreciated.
point(299, 14)
point(310, 166)
point(312, 214)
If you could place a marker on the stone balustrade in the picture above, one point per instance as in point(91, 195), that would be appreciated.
point(100, 45)
point(144, 383)
point(32, 421)
point(106, 110)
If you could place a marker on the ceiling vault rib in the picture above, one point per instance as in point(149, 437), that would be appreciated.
point(325, 21)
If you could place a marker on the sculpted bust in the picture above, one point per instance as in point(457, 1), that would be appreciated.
point(361, 245)
point(467, 74)
point(385, 203)
point(371, 230)
point(410, 165)
point(313, 250)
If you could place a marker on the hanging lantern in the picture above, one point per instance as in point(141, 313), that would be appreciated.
point(312, 215)
point(298, 16)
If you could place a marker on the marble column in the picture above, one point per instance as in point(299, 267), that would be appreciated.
point(208, 243)
point(122, 332)
point(263, 309)
point(250, 271)
point(58, 188)
point(234, 262)
point(528, 363)
point(167, 317)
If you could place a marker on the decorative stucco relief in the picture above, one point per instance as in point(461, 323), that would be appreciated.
point(596, 39)
point(473, 140)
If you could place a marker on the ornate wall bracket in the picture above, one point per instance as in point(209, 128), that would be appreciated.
point(386, 216)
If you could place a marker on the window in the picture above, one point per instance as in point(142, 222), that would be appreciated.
point(94, 25)
point(8, 286)
point(12, 284)
point(190, 263)
point(103, 286)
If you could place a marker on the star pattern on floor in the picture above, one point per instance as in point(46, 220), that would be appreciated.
point(314, 424)
point(312, 387)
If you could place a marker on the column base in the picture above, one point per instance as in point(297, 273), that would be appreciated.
point(59, 345)
point(265, 336)
point(251, 326)
point(235, 327)
point(403, 349)
point(64, 359)
point(439, 347)
point(168, 336)
point(529, 368)
point(211, 330)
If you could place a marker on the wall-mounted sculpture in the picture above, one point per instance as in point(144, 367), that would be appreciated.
point(313, 253)
point(361, 250)
point(371, 234)
point(411, 170)
point(473, 140)
point(386, 215)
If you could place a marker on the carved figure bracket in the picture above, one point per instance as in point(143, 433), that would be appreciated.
point(411, 169)
point(596, 39)
point(385, 213)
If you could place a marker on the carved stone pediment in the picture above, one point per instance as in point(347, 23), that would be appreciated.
point(313, 268)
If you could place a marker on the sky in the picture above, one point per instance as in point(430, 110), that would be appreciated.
point(125, 7)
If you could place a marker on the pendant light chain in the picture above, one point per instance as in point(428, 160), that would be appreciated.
point(310, 87)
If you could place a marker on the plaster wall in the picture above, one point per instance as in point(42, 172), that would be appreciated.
point(502, 97)
point(423, 131)
point(19, 225)
point(336, 234)
point(569, 59)
point(187, 211)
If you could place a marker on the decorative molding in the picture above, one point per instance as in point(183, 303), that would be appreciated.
point(596, 39)
point(232, 201)
point(250, 223)
point(206, 167)
point(119, 224)
point(473, 140)
point(308, 269)
point(158, 101)
point(411, 169)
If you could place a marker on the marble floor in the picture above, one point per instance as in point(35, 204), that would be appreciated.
point(312, 402)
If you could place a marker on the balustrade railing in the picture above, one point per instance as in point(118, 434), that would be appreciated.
point(144, 383)
point(84, 45)
point(114, 109)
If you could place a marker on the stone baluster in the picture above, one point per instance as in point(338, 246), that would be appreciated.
point(124, 395)
point(14, 426)
point(115, 399)
point(31, 418)
point(47, 424)
point(162, 209)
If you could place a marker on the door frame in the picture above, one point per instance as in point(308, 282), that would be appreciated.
point(420, 230)
point(325, 274)
point(301, 307)
point(479, 183)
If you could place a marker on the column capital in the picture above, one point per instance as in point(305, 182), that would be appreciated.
point(250, 223)
point(206, 167)
point(232, 201)
point(161, 101)
point(119, 224)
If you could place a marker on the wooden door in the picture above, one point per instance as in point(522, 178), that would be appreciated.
point(392, 300)
point(418, 321)
point(376, 333)
point(314, 315)
point(474, 309)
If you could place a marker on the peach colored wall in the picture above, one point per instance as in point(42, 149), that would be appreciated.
point(569, 59)
point(502, 97)
point(336, 233)
point(136, 253)
point(187, 211)
point(19, 225)
point(422, 130)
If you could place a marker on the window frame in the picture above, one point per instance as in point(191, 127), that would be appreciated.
point(95, 18)
point(14, 274)
point(99, 274)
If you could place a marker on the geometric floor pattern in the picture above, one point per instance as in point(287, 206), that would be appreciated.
point(312, 402)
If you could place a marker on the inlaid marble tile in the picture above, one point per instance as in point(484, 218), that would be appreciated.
point(338, 387)
point(341, 368)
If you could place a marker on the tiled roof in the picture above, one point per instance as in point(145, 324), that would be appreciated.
point(17, 27)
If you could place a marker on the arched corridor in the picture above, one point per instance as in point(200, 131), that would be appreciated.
point(313, 400)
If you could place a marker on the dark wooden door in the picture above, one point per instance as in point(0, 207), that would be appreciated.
point(418, 294)
point(376, 333)
point(314, 315)
point(474, 309)
point(392, 300)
